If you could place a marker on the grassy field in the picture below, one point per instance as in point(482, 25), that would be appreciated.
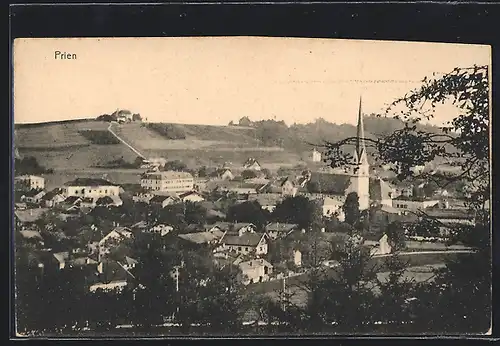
point(61, 146)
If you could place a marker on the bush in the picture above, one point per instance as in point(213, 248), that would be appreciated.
point(168, 131)
point(101, 137)
point(29, 165)
point(106, 117)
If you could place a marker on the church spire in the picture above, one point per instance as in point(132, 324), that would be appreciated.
point(360, 139)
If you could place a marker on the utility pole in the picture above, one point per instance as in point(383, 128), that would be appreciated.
point(283, 293)
point(177, 285)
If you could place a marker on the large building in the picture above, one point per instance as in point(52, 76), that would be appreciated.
point(30, 182)
point(90, 188)
point(168, 181)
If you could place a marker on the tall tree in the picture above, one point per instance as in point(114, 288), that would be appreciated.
point(351, 209)
point(463, 141)
point(298, 210)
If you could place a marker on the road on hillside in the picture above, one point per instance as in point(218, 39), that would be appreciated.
point(124, 142)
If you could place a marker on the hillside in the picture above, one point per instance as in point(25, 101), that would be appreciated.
point(66, 145)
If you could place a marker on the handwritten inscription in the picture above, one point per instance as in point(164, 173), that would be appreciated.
point(58, 55)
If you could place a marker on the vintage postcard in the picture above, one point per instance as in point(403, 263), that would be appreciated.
point(255, 186)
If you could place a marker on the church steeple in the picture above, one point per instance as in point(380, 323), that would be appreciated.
point(360, 138)
point(360, 178)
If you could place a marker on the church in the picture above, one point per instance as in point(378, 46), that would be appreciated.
point(337, 186)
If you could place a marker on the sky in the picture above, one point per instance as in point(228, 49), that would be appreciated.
point(208, 80)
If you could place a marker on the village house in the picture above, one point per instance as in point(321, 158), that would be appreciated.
point(255, 270)
point(52, 198)
point(128, 263)
point(378, 245)
point(297, 257)
point(252, 164)
point(123, 115)
point(332, 206)
point(449, 219)
point(142, 197)
point(280, 230)
point(33, 196)
point(88, 202)
point(20, 206)
point(155, 162)
point(110, 276)
point(316, 156)
point(112, 239)
point(191, 196)
point(160, 229)
point(162, 201)
point(70, 202)
point(205, 237)
point(68, 259)
point(25, 218)
point(410, 203)
point(90, 188)
point(288, 187)
point(245, 242)
point(222, 174)
point(267, 201)
point(29, 182)
point(109, 201)
point(168, 181)
point(32, 237)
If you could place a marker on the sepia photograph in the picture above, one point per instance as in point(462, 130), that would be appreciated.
point(250, 186)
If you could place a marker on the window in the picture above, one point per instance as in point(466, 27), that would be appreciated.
point(239, 248)
point(246, 249)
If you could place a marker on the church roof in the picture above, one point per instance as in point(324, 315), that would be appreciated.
point(327, 183)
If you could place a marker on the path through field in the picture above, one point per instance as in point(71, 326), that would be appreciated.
point(123, 141)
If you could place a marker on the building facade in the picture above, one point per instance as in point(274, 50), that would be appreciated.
point(316, 156)
point(168, 181)
point(30, 182)
point(90, 188)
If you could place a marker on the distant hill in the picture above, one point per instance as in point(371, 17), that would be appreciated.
point(63, 144)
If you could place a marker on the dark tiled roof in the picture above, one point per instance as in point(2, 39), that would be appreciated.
point(159, 199)
point(448, 214)
point(32, 193)
point(105, 200)
point(414, 198)
point(335, 184)
point(51, 194)
point(185, 194)
point(281, 227)
point(284, 180)
point(266, 198)
point(250, 162)
point(89, 182)
point(199, 237)
point(246, 239)
point(71, 199)
point(30, 215)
